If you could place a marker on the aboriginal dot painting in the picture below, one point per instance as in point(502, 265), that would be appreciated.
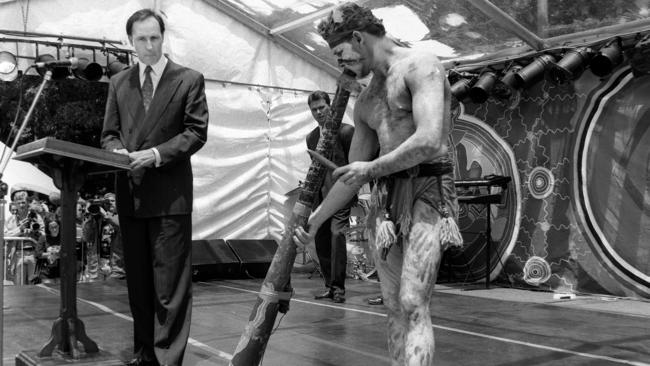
point(576, 215)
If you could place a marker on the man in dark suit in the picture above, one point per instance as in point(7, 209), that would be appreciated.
point(156, 112)
point(330, 239)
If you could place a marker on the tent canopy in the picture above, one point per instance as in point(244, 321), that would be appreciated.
point(461, 31)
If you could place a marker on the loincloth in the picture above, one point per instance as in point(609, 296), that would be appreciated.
point(393, 198)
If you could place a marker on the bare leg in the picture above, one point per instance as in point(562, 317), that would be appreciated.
point(389, 271)
point(422, 255)
point(396, 333)
point(25, 269)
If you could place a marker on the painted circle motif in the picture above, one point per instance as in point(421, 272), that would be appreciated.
point(536, 271)
point(479, 151)
point(540, 182)
point(613, 177)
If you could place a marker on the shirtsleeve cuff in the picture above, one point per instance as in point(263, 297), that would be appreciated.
point(156, 154)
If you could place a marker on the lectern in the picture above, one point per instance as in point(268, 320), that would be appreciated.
point(68, 164)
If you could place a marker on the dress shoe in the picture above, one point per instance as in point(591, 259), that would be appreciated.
point(325, 295)
point(339, 297)
point(379, 300)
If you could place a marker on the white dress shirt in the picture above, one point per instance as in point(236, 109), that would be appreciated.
point(156, 72)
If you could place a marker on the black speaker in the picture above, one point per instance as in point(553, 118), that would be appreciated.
point(255, 255)
point(214, 259)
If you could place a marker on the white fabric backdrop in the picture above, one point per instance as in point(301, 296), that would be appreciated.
point(256, 153)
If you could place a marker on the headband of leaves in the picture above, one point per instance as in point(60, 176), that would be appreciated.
point(344, 20)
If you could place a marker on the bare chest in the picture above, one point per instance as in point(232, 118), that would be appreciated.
point(387, 98)
point(387, 109)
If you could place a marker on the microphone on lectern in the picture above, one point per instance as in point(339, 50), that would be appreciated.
point(72, 63)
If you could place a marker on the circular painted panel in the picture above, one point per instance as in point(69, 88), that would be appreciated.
point(540, 182)
point(614, 177)
point(480, 151)
point(536, 271)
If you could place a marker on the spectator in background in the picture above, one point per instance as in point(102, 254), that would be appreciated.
point(330, 239)
point(92, 228)
point(20, 200)
point(79, 246)
point(112, 228)
point(101, 236)
point(12, 223)
point(35, 212)
point(50, 257)
point(12, 229)
point(31, 251)
point(54, 201)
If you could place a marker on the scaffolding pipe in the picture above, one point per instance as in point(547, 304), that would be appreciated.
point(508, 23)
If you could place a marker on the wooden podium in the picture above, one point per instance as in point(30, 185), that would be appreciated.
point(68, 164)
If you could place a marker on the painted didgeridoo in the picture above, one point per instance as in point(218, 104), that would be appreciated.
point(276, 289)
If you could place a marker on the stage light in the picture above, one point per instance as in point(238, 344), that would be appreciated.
point(571, 66)
point(115, 67)
point(87, 70)
point(534, 71)
point(58, 73)
point(480, 92)
point(509, 77)
point(640, 57)
point(8, 68)
point(607, 58)
point(507, 84)
point(460, 89)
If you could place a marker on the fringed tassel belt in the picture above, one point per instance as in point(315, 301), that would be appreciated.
point(424, 170)
point(391, 226)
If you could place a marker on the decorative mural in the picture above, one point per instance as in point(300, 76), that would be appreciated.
point(576, 215)
point(613, 178)
point(480, 151)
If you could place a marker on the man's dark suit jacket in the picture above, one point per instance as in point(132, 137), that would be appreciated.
point(340, 152)
point(330, 239)
point(176, 125)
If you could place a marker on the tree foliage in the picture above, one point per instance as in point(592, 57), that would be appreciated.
point(69, 109)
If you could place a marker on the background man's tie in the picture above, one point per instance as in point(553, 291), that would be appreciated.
point(147, 88)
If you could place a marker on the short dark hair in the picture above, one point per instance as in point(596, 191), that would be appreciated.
point(318, 95)
point(143, 14)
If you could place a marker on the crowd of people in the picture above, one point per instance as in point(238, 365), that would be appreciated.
point(32, 233)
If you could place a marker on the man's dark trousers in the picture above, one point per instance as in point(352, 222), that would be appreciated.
point(160, 284)
point(332, 250)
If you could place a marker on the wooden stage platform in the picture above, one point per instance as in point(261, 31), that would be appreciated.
point(504, 327)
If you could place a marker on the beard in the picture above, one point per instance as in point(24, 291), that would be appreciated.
point(352, 64)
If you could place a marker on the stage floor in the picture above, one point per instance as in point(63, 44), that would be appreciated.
point(505, 327)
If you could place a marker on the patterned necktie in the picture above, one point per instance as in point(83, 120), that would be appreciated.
point(147, 88)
